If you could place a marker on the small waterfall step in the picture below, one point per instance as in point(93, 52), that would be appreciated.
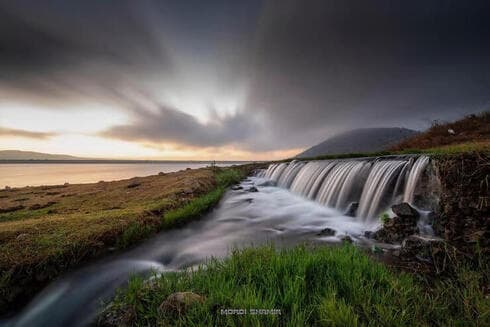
point(374, 183)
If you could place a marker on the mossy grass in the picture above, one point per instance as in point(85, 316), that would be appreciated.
point(384, 218)
point(202, 204)
point(311, 286)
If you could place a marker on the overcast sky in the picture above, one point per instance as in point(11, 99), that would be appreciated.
point(232, 79)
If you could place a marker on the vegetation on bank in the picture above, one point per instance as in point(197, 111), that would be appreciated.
point(483, 146)
point(321, 286)
point(46, 230)
point(470, 129)
point(183, 214)
point(470, 134)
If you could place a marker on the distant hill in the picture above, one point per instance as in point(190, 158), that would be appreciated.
point(472, 128)
point(29, 155)
point(361, 140)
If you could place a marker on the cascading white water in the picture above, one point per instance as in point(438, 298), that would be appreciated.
point(373, 183)
point(380, 177)
point(289, 173)
point(413, 177)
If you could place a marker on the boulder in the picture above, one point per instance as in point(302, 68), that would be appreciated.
point(405, 210)
point(253, 189)
point(179, 302)
point(396, 229)
point(352, 209)
point(327, 232)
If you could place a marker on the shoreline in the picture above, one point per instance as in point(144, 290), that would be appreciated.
point(17, 175)
point(112, 161)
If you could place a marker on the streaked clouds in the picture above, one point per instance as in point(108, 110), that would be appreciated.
point(245, 78)
point(22, 133)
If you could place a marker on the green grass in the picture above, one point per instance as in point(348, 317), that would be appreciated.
point(323, 286)
point(197, 206)
point(442, 150)
point(384, 218)
point(203, 203)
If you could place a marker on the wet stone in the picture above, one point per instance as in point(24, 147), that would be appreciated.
point(352, 209)
point(327, 232)
point(405, 210)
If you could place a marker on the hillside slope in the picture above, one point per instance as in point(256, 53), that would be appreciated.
point(472, 128)
point(359, 141)
point(30, 155)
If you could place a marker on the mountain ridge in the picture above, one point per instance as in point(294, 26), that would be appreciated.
point(361, 140)
point(32, 155)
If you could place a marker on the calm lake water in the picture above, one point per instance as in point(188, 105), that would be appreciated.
point(28, 174)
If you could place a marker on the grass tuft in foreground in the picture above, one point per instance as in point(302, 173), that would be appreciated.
point(324, 286)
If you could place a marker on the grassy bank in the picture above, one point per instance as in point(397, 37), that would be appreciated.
point(46, 230)
point(326, 286)
point(452, 149)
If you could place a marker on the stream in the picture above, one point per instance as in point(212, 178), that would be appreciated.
point(242, 218)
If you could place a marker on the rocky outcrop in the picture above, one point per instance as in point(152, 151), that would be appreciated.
point(464, 217)
point(396, 229)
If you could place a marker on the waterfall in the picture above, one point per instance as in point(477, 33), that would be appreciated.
point(413, 177)
point(375, 183)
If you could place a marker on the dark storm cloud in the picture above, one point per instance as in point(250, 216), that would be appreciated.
point(323, 66)
point(167, 124)
point(23, 133)
point(310, 68)
point(76, 49)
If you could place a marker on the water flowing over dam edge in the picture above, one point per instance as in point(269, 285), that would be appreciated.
point(372, 185)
